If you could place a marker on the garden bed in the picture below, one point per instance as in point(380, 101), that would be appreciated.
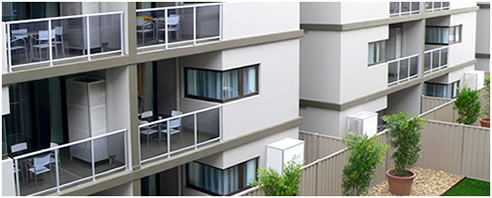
point(427, 183)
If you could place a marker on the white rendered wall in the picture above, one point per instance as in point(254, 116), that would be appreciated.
point(278, 98)
point(320, 66)
point(258, 18)
point(342, 12)
point(5, 100)
point(331, 122)
point(320, 12)
point(483, 39)
point(8, 184)
point(464, 51)
point(121, 190)
point(406, 100)
point(248, 151)
point(357, 78)
point(357, 11)
point(462, 4)
point(451, 76)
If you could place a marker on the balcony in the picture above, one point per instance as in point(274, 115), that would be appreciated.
point(404, 8)
point(436, 6)
point(403, 69)
point(71, 38)
point(435, 59)
point(60, 166)
point(170, 27)
point(179, 133)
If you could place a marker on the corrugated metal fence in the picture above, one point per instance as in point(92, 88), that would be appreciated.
point(454, 148)
point(319, 145)
point(429, 102)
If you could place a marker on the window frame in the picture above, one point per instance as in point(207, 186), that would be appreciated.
point(240, 83)
point(376, 54)
point(455, 32)
point(241, 177)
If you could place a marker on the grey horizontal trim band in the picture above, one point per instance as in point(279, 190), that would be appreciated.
point(385, 21)
point(482, 55)
point(124, 177)
point(382, 93)
point(484, 5)
point(111, 62)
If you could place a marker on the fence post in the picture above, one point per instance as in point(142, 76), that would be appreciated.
point(462, 147)
point(93, 163)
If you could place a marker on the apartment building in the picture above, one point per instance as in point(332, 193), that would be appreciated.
point(363, 60)
point(145, 98)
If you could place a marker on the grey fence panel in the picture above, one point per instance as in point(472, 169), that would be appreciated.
point(429, 102)
point(476, 153)
point(317, 146)
point(441, 146)
point(381, 169)
point(309, 180)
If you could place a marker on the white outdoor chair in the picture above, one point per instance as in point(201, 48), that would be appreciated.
point(18, 147)
point(19, 33)
point(39, 166)
point(42, 42)
point(147, 130)
point(173, 25)
point(58, 40)
point(18, 44)
point(143, 28)
point(174, 124)
point(52, 156)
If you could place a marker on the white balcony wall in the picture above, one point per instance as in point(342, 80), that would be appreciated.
point(464, 51)
point(252, 19)
point(320, 12)
point(121, 190)
point(462, 4)
point(451, 76)
point(353, 11)
point(320, 66)
point(483, 31)
point(357, 78)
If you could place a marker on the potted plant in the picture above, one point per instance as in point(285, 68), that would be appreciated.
point(287, 184)
point(405, 139)
point(468, 106)
point(365, 155)
point(485, 120)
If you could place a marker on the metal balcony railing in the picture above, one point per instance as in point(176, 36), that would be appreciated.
point(70, 164)
point(435, 59)
point(403, 69)
point(436, 6)
point(182, 132)
point(404, 8)
point(179, 26)
point(47, 40)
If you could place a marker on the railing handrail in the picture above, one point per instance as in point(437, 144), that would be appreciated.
point(180, 116)
point(68, 144)
point(402, 58)
point(178, 7)
point(62, 17)
point(435, 49)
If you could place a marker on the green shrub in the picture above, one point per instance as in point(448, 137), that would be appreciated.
point(365, 155)
point(486, 95)
point(287, 184)
point(468, 106)
point(405, 139)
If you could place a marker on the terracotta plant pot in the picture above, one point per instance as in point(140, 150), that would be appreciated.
point(400, 185)
point(485, 122)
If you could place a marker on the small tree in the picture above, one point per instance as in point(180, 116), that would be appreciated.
point(468, 106)
point(287, 184)
point(405, 138)
point(486, 95)
point(365, 155)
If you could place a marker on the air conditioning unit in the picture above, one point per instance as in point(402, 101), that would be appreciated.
point(283, 151)
point(473, 80)
point(363, 122)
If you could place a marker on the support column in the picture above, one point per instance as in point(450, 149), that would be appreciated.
point(133, 131)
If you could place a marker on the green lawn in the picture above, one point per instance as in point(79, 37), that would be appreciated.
point(470, 187)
